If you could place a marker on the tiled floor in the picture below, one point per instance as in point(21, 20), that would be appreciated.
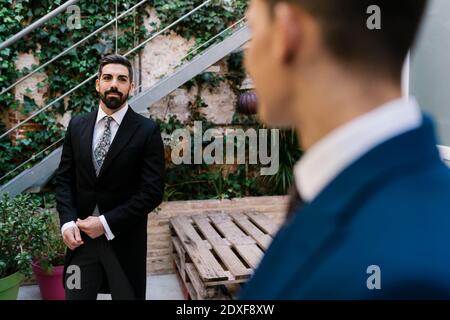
point(162, 287)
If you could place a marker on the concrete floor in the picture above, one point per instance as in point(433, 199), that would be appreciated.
point(161, 287)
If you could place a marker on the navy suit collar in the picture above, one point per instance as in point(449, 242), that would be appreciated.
point(386, 161)
point(316, 229)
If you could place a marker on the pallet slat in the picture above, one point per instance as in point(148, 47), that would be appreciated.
point(216, 252)
point(226, 226)
point(207, 266)
point(262, 239)
point(180, 257)
point(222, 249)
point(202, 291)
point(262, 221)
point(251, 253)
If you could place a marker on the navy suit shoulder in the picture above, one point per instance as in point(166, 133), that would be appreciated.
point(401, 233)
point(380, 230)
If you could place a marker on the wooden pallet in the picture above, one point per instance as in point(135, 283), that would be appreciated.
point(215, 252)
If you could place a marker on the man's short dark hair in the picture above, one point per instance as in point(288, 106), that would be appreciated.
point(344, 28)
point(116, 59)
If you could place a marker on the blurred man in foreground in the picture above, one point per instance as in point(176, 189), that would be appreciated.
point(370, 218)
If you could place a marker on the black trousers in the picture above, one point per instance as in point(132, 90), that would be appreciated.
point(98, 265)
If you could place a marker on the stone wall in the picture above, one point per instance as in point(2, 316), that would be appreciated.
point(159, 252)
point(161, 57)
point(33, 88)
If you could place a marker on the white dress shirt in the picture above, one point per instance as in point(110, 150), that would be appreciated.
point(98, 132)
point(331, 155)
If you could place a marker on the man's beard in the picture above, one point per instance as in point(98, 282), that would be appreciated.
point(113, 103)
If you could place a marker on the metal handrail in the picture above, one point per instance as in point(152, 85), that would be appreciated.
point(47, 106)
point(34, 156)
point(213, 38)
point(170, 26)
point(94, 75)
point(36, 24)
point(201, 46)
point(72, 47)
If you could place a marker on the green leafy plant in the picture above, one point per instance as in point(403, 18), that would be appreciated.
point(205, 23)
point(183, 181)
point(65, 73)
point(290, 153)
point(234, 184)
point(52, 253)
point(170, 193)
point(23, 233)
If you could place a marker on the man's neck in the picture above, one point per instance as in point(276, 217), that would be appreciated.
point(340, 106)
point(109, 111)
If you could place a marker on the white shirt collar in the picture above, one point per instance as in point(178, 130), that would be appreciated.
point(117, 116)
point(346, 144)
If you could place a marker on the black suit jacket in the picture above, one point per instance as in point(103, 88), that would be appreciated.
point(129, 186)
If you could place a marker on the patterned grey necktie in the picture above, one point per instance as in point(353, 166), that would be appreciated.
point(105, 141)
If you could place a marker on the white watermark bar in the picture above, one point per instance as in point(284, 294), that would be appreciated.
point(227, 147)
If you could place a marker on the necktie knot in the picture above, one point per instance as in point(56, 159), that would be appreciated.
point(108, 120)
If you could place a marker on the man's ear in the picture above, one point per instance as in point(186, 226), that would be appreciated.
point(97, 85)
point(287, 35)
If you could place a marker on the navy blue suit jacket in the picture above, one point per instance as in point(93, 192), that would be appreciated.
point(390, 209)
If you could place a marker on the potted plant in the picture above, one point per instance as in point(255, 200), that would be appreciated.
point(23, 231)
point(48, 263)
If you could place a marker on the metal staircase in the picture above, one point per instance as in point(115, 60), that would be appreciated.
point(33, 179)
point(165, 86)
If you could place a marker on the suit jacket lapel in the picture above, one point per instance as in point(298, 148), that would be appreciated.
point(86, 142)
point(317, 228)
point(126, 130)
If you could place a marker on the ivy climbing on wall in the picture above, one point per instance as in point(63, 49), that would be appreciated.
point(74, 67)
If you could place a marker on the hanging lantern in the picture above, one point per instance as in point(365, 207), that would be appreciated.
point(248, 103)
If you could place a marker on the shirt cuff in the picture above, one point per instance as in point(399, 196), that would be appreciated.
point(108, 233)
point(68, 225)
